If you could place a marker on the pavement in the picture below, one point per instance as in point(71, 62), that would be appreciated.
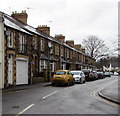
point(111, 92)
point(25, 87)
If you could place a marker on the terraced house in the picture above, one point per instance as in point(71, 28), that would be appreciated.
point(28, 53)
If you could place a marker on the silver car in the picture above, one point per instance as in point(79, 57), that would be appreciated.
point(79, 76)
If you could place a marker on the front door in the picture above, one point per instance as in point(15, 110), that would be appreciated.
point(10, 69)
point(52, 66)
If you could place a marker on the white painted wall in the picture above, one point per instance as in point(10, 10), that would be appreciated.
point(1, 59)
point(1, 51)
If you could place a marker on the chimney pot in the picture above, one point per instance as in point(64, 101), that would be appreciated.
point(60, 38)
point(44, 29)
point(20, 16)
point(70, 42)
point(78, 46)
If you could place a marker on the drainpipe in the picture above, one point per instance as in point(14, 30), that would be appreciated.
point(1, 51)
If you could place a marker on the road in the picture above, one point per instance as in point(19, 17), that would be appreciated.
point(76, 99)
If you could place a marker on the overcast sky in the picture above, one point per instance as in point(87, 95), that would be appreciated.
point(76, 19)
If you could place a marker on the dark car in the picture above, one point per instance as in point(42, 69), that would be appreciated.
point(107, 74)
point(89, 76)
point(100, 75)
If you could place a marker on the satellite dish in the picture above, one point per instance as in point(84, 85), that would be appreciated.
point(8, 33)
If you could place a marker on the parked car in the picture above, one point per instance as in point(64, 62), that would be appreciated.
point(62, 77)
point(88, 75)
point(95, 75)
point(116, 73)
point(100, 75)
point(79, 76)
point(111, 73)
point(107, 74)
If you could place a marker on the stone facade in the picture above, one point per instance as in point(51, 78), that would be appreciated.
point(35, 49)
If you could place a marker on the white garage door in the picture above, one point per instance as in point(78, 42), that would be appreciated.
point(21, 71)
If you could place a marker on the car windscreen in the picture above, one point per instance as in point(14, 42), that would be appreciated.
point(107, 72)
point(76, 73)
point(60, 73)
point(99, 72)
point(86, 70)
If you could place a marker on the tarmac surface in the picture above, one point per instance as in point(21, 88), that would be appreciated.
point(110, 93)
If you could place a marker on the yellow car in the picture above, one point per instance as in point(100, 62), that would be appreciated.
point(63, 77)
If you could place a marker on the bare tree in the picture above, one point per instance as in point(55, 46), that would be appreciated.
point(95, 47)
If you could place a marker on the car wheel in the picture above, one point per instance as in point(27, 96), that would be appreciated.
point(73, 82)
point(53, 84)
point(84, 81)
point(68, 83)
point(80, 81)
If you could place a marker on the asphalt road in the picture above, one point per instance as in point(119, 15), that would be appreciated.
point(77, 99)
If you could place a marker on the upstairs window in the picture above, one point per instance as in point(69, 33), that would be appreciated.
point(22, 42)
point(71, 54)
point(50, 45)
point(62, 52)
point(42, 44)
point(57, 49)
point(35, 43)
point(10, 39)
point(68, 53)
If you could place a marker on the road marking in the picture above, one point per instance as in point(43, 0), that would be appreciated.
point(25, 109)
point(49, 94)
point(93, 93)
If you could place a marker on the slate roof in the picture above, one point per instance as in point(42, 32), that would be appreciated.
point(15, 24)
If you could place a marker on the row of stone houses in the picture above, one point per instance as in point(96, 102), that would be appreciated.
point(27, 52)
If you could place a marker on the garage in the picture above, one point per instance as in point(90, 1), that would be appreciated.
point(21, 71)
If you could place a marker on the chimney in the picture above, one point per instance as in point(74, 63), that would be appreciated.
point(83, 50)
point(20, 16)
point(60, 38)
point(78, 46)
point(70, 42)
point(44, 28)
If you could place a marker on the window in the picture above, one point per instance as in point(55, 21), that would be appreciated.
point(43, 65)
point(35, 43)
point(60, 73)
point(62, 52)
point(71, 54)
point(80, 55)
point(42, 44)
point(10, 39)
point(51, 48)
point(63, 66)
point(22, 42)
point(57, 49)
point(76, 73)
point(52, 66)
point(69, 73)
point(68, 53)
